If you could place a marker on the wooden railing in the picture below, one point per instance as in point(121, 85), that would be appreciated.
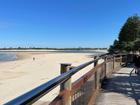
point(83, 91)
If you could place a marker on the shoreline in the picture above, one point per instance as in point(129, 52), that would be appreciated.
point(40, 50)
point(21, 53)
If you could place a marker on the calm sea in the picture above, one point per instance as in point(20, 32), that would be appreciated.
point(7, 56)
point(91, 52)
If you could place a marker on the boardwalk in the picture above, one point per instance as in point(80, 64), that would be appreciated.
point(123, 88)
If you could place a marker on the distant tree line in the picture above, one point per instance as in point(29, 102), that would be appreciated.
point(129, 37)
point(39, 48)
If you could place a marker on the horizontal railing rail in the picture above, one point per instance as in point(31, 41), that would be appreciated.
point(38, 92)
point(86, 88)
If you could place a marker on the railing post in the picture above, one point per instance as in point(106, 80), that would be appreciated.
point(113, 62)
point(126, 60)
point(105, 60)
point(121, 60)
point(95, 63)
point(96, 77)
point(66, 85)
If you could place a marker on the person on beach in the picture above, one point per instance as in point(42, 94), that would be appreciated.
point(33, 58)
point(137, 63)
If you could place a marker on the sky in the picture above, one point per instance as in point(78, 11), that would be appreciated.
point(63, 23)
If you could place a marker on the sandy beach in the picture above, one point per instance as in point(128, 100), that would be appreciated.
point(24, 74)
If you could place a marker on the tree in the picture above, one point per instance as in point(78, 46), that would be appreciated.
point(137, 45)
point(131, 29)
point(115, 47)
point(129, 33)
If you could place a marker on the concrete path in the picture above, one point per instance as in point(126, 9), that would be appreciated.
point(123, 88)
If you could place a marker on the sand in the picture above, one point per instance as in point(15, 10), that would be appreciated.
point(24, 74)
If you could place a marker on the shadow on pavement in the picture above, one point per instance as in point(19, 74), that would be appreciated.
point(127, 84)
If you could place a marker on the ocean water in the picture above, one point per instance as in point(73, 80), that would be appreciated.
point(92, 53)
point(8, 56)
point(81, 51)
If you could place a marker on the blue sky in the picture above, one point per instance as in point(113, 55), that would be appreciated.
point(63, 23)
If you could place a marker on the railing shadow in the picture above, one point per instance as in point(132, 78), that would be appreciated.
point(127, 84)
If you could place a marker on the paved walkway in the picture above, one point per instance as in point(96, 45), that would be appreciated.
point(123, 88)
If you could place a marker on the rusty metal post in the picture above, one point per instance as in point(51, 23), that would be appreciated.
point(66, 85)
